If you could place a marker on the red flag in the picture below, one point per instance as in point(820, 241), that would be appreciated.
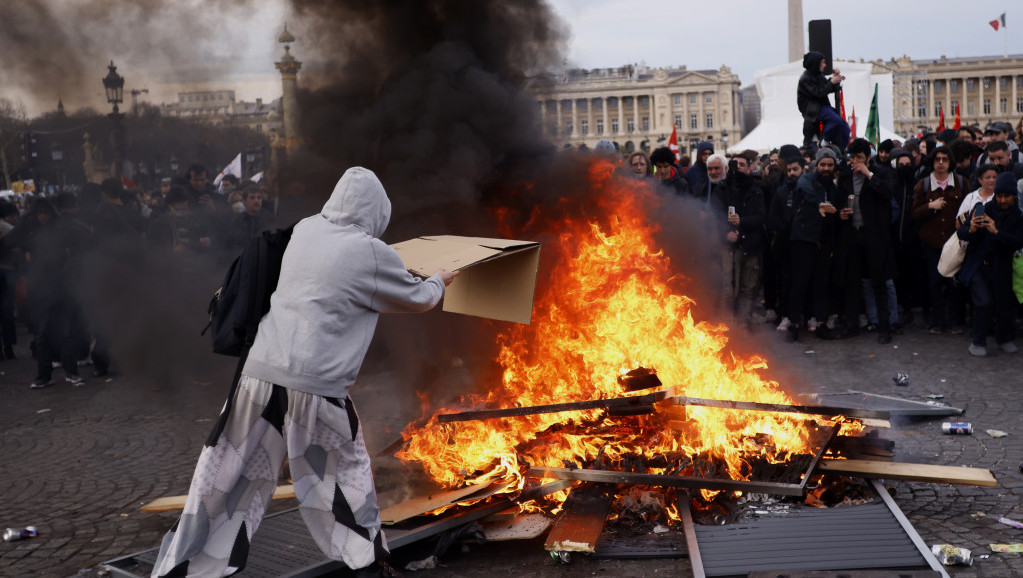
point(941, 121)
point(852, 124)
point(127, 183)
point(957, 124)
point(1000, 21)
point(841, 104)
point(673, 144)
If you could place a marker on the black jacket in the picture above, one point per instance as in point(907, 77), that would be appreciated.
point(876, 210)
point(814, 88)
point(807, 222)
point(742, 193)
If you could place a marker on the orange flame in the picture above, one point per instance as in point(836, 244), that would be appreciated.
point(611, 303)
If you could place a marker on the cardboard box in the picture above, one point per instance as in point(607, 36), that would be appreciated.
point(498, 276)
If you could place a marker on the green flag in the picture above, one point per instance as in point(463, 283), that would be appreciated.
point(873, 132)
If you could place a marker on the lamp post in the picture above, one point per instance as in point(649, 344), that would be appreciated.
point(724, 140)
point(114, 85)
point(250, 162)
point(57, 154)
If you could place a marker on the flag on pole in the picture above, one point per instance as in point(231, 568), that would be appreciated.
point(673, 143)
point(873, 132)
point(852, 123)
point(256, 177)
point(941, 118)
point(957, 123)
point(1000, 21)
point(841, 105)
point(233, 168)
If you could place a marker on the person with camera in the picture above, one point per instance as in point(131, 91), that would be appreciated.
point(812, 100)
point(994, 232)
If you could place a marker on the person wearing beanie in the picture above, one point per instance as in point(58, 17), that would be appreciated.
point(605, 147)
point(812, 99)
point(994, 232)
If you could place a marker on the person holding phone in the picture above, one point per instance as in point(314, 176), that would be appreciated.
point(994, 232)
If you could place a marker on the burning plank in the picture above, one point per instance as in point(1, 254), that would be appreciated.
point(582, 521)
point(637, 401)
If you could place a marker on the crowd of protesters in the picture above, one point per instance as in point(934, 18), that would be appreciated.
point(47, 246)
point(837, 243)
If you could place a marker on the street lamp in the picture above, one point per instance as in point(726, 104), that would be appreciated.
point(114, 85)
point(250, 162)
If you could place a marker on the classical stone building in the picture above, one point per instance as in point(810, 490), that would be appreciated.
point(219, 107)
point(984, 88)
point(636, 106)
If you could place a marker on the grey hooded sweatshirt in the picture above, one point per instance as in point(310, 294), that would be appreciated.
point(336, 278)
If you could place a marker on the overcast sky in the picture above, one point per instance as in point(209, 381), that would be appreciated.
point(749, 35)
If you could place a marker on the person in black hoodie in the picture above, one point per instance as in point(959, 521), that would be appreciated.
point(911, 274)
point(812, 99)
point(697, 174)
point(987, 268)
point(779, 229)
point(865, 247)
point(744, 214)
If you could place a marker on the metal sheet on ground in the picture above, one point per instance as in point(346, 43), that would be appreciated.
point(892, 404)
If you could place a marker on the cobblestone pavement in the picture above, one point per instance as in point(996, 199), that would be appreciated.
point(79, 461)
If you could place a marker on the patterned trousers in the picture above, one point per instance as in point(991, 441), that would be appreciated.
point(236, 476)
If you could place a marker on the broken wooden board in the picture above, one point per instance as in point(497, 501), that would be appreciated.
point(780, 407)
point(910, 472)
point(171, 503)
point(424, 504)
point(613, 477)
point(894, 405)
point(582, 521)
point(522, 527)
point(611, 403)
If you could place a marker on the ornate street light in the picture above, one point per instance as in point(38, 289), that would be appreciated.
point(114, 85)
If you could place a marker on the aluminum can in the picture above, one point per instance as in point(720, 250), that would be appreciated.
point(901, 379)
point(949, 555)
point(15, 534)
point(957, 427)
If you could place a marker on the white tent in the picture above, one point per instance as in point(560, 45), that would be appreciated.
point(781, 123)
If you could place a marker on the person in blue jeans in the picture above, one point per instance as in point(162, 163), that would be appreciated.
point(812, 99)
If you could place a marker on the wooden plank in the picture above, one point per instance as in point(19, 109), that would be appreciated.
point(692, 546)
point(582, 521)
point(910, 472)
point(422, 504)
point(611, 477)
point(171, 503)
point(614, 402)
point(780, 407)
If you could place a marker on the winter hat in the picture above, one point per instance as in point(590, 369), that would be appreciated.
point(1006, 184)
point(826, 152)
point(789, 152)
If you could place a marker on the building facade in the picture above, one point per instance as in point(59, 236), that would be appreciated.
point(636, 107)
point(219, 107)
point(984, 89)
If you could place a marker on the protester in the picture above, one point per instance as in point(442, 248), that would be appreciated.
point(779, 227)
point(986, 176)
point(865, 247)
point(812, 243)
point(666, 171)
point(987, 268)
point(936, 201)
point(639, 164)
point(696, 176)
point(743, 211)
point(336, 278)
point(812, 100)
point(8, 336)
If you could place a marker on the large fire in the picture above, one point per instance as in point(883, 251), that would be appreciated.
point(611, 304)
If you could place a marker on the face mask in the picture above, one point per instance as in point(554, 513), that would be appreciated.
point(238, 207)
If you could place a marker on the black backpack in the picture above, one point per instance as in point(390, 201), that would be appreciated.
point(244, 298)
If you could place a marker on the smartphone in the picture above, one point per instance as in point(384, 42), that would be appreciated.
point(731, 210)
point(852, 201)
point(978, 211)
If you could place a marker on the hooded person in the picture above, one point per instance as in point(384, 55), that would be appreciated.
point(337, 276)
point(812, 100)
point(697, 174)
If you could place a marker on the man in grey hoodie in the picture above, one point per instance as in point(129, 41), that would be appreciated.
point(337, 276)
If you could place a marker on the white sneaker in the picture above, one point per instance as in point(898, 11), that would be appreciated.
point(832, 321)
point(784, 325)
point(74, 380)
point(771, 315)
point(811, 325)
point(978, 350)
point(1009, 347)
point(39, 384)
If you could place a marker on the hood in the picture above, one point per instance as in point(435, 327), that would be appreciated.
point(704, 145)
point(359, 199)
point(812, 61)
